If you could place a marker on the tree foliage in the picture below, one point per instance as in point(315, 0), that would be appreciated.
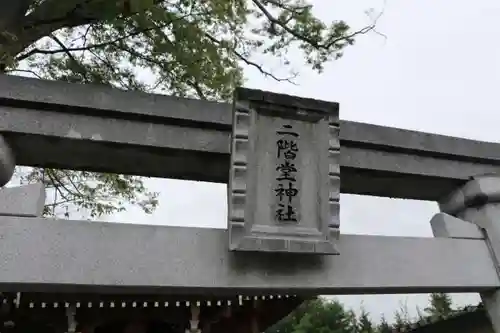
point(321, 316)
point(331, 317)
point(384, 326)
point(365, 325)
point(181, 47)
point(441, 305)
point(317, 316)
point(95, 193)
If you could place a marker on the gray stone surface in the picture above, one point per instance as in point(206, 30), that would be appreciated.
point(25, 92)
point(159, 153)
point(444, 225)
point(491, 301)
point(189, 139)
point(28, 200)
point(258, 217)
point(41, 255)
point(7, 164)
point(478, 201)
point(65, 140)
point(479, 190)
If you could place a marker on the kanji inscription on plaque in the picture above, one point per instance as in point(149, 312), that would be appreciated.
point(284, 185)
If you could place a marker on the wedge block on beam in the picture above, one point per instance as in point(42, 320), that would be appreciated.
point(444, 225)
point(27, 200)
point(40, 254)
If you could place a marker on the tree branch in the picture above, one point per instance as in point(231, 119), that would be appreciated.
point(281, 5)
point(39, 51)
point(54, 204)
point(299, 36)
point(56, 12)
point(197, 88)
point(111, 68)
point(92, 46)
point(46, 19)
point(68, 176)
point(25, 71)
point(81, 69)
point(251, 63)
point(76, 12)
point(55, 180)
point(237, 54)
point(84, 35)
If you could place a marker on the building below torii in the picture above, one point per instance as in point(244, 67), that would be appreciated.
point(139, 313)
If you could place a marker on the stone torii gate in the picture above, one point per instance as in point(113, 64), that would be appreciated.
point(86, 127)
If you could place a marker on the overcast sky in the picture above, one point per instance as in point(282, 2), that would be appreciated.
point(437, 71)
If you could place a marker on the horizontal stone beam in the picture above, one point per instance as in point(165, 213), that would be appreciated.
point(41, 255)
point(97, 128)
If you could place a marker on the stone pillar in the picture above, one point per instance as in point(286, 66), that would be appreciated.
point(478, 202)
point(6, 162)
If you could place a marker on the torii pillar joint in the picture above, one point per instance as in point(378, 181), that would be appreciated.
point(478, 202)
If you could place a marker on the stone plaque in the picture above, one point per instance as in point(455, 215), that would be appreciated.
point(284, 186)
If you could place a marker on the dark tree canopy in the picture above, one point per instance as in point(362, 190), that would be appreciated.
point(183, 47)
point(384, 326)
point(318, 316)
point(365, 325)
point(441, 305)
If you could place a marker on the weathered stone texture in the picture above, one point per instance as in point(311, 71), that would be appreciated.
point(284, 183)
point(7, 163)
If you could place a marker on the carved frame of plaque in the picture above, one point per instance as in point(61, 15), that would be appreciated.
point(255, 214)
